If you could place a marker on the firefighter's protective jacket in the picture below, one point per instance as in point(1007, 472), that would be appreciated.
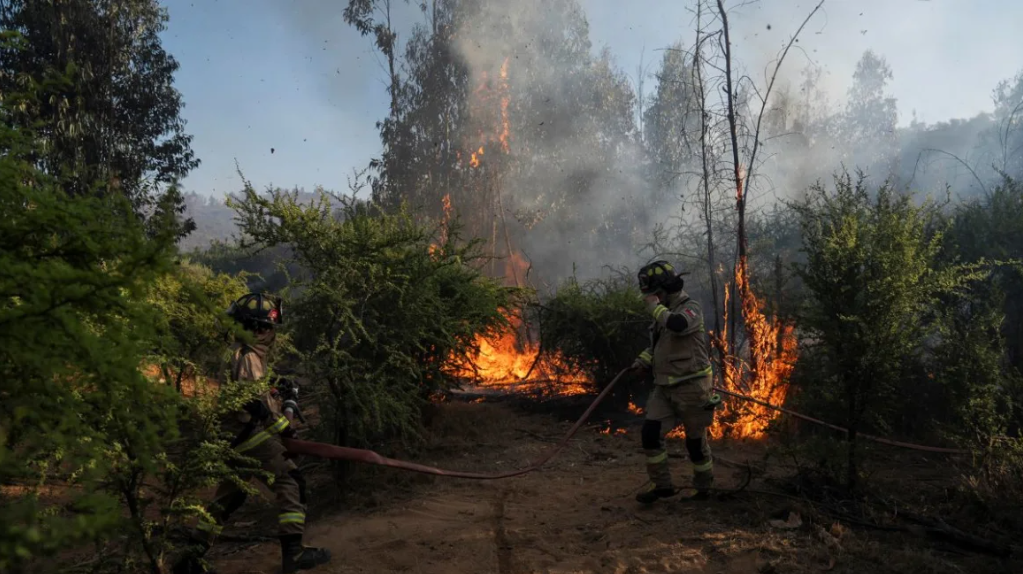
point(674, 355)
point(248, 363)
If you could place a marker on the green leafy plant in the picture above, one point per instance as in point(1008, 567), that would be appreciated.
point(599, 326)
point(378, 309)
point(873, 280)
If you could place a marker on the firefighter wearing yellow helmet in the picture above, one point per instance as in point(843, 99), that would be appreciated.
point(256, 430)
point(683, 393)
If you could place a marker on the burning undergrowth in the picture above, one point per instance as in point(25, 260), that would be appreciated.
point(588, 332)
point(536, 163)
point(513, 359)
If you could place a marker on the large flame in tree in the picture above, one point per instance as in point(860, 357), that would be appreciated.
point(763, 370)
point(771, 353)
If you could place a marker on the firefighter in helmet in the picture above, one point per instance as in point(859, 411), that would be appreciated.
point(256, 432)
point(683, 390)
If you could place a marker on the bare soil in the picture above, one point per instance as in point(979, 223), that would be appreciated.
point(577, 514)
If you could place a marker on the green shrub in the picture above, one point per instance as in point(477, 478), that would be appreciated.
point(190, 304)
point(75, 411)
point(599, 327)
point(377, 312)
point(874, 283)
point(92, 454)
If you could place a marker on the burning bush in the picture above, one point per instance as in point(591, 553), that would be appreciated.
point(377, 310)
point(599, 326)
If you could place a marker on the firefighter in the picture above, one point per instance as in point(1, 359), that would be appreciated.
point(257, 429)
point(683, 387)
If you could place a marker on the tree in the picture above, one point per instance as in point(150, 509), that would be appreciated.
point(868, 124)
point(114, 116)
point(874, 281)
point(476, 127)
point(1007, 135)
point(95, 455)
point(70, 332)
point(375, 17)
point(991, 228)
point(672, 119)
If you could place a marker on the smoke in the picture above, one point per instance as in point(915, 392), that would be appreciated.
point(573, 179)
point(572, 172)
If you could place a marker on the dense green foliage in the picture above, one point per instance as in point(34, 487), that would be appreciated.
point(190, 305)
point(69, 348)
point(876, 295)
point(89, 447)
point(991, 227)
point(111, 123)
point(377, 311)
point(599, 327)
point(92, 453)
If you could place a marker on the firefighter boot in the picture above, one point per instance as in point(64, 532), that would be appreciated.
point(703, 481)
point(295, 557)
point(703, 465)
point(660, 478)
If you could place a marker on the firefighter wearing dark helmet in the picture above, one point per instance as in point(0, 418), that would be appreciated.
point(683, 392)
point(256, 432)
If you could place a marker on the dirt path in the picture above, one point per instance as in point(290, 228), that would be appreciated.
point(577, 515)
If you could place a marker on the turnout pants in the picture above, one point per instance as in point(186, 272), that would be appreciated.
point(286, 483)
point(687, 403)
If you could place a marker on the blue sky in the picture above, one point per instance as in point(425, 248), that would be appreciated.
point(291, 76)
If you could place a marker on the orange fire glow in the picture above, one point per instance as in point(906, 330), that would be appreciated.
point(617, 431)
point(770, 351)
point(505, 100)
point(506, 360)
point(446, 201)
point(497, 128)
point(474, 161)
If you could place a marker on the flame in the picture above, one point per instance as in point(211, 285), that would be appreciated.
point(608, 430)
point(505, 361)
point(474, 161)
point(445, 221)
point(505, 100)
point(509, 360)
point(771, 350)
point(634, 409)
point(497, 129)
point(771, 353)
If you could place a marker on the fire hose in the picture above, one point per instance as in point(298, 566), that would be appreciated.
point(869, 437)
point(332, 452)
point(322, 450)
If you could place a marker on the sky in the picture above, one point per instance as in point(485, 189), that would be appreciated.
point(287, 93)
